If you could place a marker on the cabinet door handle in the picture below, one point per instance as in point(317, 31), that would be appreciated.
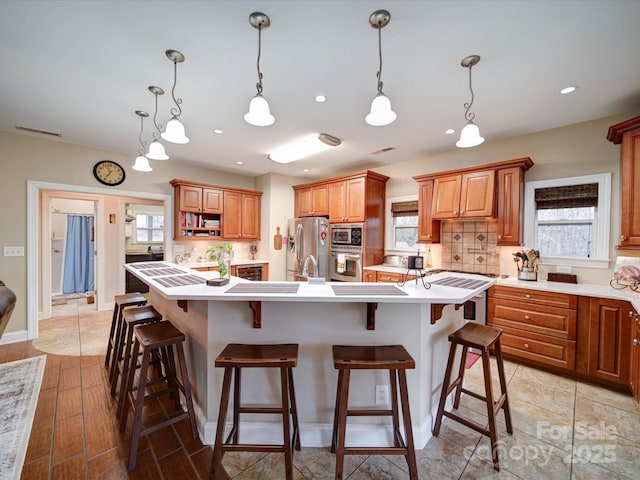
point(526, 345)
point(429, 235)
point(499, 237)
point(623, 238)
point(455, 212)
point(636, 342)
point(527, 317)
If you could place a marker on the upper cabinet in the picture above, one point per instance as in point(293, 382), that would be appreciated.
point(312, 201)
point(210, 212)
point(492, 190)
point(467, 195)
point(628, 134)
point(347, 201)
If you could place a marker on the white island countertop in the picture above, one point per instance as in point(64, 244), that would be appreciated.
point(154, 273)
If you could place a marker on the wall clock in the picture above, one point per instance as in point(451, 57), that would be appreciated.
point(108, 173)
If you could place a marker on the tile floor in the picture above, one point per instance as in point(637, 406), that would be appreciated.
point(563, 429)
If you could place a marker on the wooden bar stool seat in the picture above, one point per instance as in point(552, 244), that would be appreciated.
point(483, 338)
point(165, 339)
point(233, 359)
point(131, 317)
point(120, 302)
point(397, 360)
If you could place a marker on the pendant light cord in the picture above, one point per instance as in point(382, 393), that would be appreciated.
point(380, 56)
point(469, 116)
point(259, 84)
point(176, 112)
point(156, 135)
point(143, 144)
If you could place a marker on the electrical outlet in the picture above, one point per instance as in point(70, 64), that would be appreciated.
point(382, 394)
point(14, 251)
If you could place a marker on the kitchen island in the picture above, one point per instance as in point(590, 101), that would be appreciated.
point(315, 316)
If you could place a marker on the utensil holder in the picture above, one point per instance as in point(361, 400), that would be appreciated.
point(528, 274)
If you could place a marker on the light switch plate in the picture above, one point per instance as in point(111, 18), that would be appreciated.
point(14, 251)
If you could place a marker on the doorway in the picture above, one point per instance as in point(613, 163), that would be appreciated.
point(73, 234)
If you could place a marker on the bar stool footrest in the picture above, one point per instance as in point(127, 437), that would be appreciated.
point(375, 450)
point(369, 413)
point(251, 447)
point(473, 425)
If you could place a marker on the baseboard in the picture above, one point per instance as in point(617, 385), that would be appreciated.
point(13, 337)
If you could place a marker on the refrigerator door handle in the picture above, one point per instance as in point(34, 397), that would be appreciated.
point(299, 241)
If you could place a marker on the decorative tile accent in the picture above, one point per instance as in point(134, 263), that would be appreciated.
point(480, 259)
point(457, 258)
point(462, 248)
point(481, 237)
point(457, 237)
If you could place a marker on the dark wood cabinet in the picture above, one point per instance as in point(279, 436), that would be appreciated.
point(604, 343)
point(428, 228)
point(211, 212)
point(312, 201)
point(538, 327)
point(510, 194)
point(627, 133)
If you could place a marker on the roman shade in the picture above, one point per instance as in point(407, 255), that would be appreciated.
point(567, 196)
point(405, 209)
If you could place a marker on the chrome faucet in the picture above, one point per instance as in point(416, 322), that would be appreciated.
point(305, 268)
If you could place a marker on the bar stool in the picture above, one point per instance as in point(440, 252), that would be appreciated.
point(384, 357)
point(483, 338)
point(233, 359)
point(131, 317)
point(165, 339)
point(120, 303)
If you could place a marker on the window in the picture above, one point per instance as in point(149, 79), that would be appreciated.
point(403, 234)
point(149, 228)
point(567, 220)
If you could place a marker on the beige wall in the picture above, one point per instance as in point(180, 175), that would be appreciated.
point(568, 151)
point(24, 158)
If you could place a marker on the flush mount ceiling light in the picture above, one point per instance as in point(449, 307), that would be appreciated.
point(470, 134)
point(381, 113)
point(304, 148)
point(259, 114)
point(156, 149)
point(174, 132)
point(567, 90)
point(142, 163)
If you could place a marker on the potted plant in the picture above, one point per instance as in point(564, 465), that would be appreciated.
point(221, 254)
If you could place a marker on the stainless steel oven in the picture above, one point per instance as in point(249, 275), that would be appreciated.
point(345, 264)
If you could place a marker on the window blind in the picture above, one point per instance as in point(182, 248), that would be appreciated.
point(567, 196)
point(405, 209)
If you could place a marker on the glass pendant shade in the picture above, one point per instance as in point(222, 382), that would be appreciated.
point(156, 151)
point(381, 113)
point(142, 164)
point(469, 136)
point(174, 132)
point(259, 114)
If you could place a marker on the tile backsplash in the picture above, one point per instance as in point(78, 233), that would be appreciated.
point(470, 246)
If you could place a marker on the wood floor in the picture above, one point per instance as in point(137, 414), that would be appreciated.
point(74, 434)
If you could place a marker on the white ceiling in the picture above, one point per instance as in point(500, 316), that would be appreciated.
point(82, 68)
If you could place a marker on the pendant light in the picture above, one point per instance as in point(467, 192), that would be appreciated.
point(259, 114)
point(142, 163)
point(174, 132)
point(470, 134)
point(156, 149)
point(381, 113)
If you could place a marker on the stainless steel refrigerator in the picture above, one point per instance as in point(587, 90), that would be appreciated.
point(307, 237)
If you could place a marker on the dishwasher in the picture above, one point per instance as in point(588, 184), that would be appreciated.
point(249, 272)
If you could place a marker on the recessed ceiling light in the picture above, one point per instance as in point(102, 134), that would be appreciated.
point(218, 131)
point(321, 98)
point(451, 131)
point(305, 170)
point(568, 90)
point(239, 163)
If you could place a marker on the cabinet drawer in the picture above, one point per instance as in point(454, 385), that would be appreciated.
point(539, 297)
point(553, 321)
point(537, 348)
point(393, 277)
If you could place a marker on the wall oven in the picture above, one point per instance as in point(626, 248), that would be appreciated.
point(345, 264)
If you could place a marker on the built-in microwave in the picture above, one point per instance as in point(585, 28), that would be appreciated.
point(347, 235)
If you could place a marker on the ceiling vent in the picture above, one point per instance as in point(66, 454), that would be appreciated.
point(35, 130)
point(383, 150)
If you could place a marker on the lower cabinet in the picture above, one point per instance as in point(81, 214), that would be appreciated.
point(587, 337)
point(604, 345)
point(538, 327)
point(386, 277)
